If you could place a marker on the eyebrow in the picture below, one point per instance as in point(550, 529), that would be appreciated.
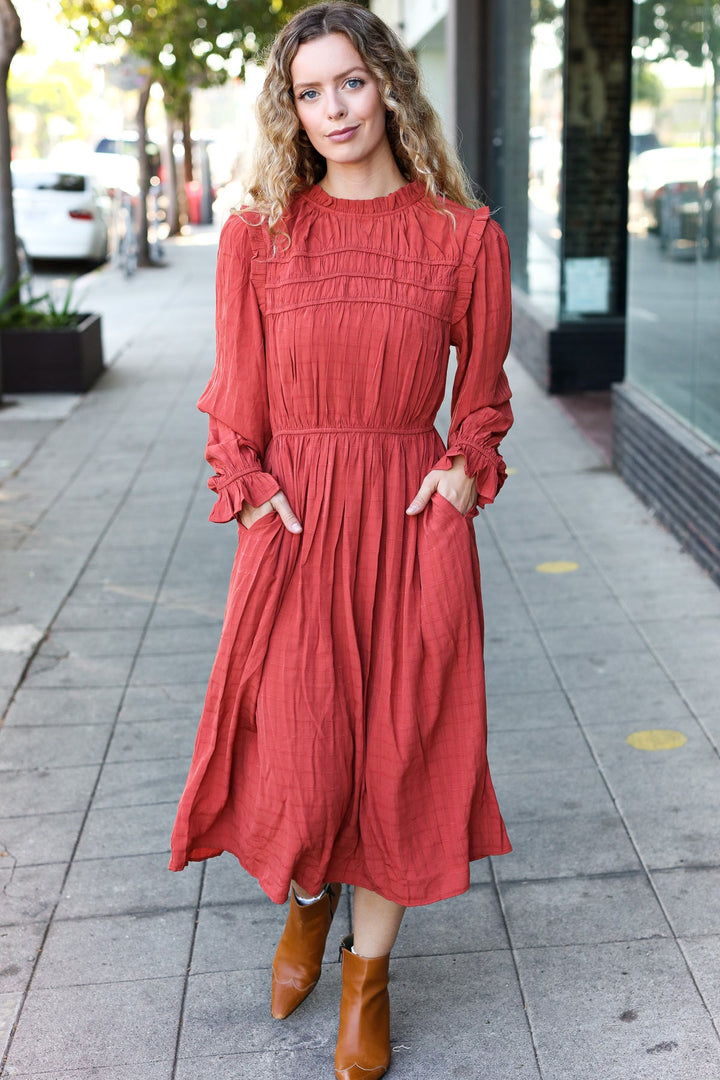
point(342, 75)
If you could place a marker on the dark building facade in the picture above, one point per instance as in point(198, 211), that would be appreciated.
point(596, 131)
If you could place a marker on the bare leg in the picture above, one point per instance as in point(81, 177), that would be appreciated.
point(376, 923)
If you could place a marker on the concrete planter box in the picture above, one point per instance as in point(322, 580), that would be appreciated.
point(65, 359)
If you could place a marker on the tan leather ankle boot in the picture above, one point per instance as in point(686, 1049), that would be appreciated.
point(363, 1046)
point(298, 959)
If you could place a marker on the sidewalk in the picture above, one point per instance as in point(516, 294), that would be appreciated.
point(592, 951)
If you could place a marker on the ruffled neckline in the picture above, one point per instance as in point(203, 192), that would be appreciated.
point(385, 204)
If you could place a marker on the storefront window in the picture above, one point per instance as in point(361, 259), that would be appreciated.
point(673, 335)
point(546, 132)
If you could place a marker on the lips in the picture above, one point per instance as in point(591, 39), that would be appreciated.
point(340, 134)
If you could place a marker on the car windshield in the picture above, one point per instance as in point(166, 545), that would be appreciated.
point(45, 181)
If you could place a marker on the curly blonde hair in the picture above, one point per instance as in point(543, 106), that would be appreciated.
point(285, 160)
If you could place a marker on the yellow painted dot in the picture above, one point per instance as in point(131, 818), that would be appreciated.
point(657, 739)
point(557, 567)
point(511, 471)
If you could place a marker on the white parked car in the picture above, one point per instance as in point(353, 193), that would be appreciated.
point(60, 214)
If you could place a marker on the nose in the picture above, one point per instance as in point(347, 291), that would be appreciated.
point(335, 107)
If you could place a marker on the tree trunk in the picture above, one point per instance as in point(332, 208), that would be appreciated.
point(141, 224)
point(187, 141)
point(10, 42)
point(171, 177)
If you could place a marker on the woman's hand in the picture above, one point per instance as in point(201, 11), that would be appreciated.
point(250, 514)
point(452, 484)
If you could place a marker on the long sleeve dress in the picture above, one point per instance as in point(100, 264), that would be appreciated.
point(344, 731)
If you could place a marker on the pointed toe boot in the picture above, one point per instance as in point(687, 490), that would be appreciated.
point(363, 1046)
point(298, 959)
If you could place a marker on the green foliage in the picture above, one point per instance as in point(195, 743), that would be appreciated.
point(681, 29)
point(38, 312)
point(649, 86)
point(46, 92)
point(187, 45)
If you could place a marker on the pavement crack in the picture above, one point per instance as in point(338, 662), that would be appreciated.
point(5, 853)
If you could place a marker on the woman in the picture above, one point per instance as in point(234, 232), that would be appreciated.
point(343, 737)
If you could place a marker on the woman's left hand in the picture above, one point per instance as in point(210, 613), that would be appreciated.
point(452, 484)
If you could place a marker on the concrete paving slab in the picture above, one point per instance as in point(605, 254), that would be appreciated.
point(29, 893)
point(536, 674)
point(578, 612)
point(52, 747)
point(276, 1065)
point(19, 946)
point(631, 1010)
point(203, 638)
point(520, 645)
point(56, 671)
point(228, 1012)
point(481, 870)
point(695, 599)
point(153, 739)
point(141, 783)
point(120, 948)
point(244, 935)
point(582, 911)
point(688, 773)
point(47, 707)
point(127, 830)
point(688, 836)
point(509, 711)
point(601, 668)
point(702, 634)
point(227, 883)
point(40, 838)
point(128, 885)
point(691, 897)
point(595, 638)
point(102, 643)
point(163, 702)
point(9, 1009)
point(635, 707)
point(470, 1006)
point(44, 790)
point(703, 957)
point(538, 750)
point(559, 793)
point(148, 1070)
point(469, 923)
point(68, 1027)
point(574, 845)
point(162, 668)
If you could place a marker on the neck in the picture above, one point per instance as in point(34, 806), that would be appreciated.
point(362, 181)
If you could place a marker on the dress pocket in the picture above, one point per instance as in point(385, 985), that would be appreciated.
point(256, 523)
point(447, 507)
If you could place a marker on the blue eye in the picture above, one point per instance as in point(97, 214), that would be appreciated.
point(305, 96)
point(354, 83)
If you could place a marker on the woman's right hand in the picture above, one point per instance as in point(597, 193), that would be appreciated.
point(250, 514)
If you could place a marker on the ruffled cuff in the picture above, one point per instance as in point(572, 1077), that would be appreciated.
point(485, 466)
point(253, 486)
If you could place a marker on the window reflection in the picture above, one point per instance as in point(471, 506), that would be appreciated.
point(546, 131)
point(674, 210)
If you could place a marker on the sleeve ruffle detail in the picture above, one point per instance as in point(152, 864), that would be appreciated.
point(483, 464)
point(254, 487)
point(466, 272)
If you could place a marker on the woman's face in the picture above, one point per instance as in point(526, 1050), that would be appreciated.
point(338, 101)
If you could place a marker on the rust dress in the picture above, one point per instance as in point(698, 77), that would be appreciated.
point(344, 731)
